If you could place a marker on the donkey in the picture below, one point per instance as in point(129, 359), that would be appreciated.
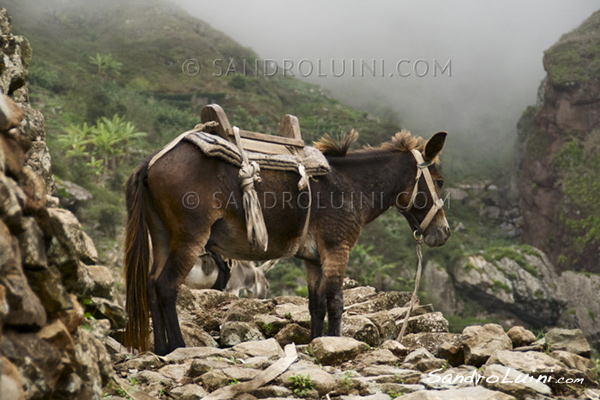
point(188, 202)
point(244, 275)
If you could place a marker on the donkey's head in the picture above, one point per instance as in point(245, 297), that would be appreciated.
point(420, 203)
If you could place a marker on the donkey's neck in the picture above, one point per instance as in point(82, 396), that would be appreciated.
point(377, 178)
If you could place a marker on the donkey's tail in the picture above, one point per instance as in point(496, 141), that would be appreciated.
point(137, 259)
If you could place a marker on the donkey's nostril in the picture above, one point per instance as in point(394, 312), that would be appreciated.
point(447, 230)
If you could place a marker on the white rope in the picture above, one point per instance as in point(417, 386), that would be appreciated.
point(256, 228)
point(413, 298)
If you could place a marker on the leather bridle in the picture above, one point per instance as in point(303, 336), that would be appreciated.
point(438, 203)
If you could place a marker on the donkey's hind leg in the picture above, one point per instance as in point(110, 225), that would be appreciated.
point(179, 263)
point(316, 297)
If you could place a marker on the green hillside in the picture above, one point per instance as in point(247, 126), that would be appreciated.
point(110, 83)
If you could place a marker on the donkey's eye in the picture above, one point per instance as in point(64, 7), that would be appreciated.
point(440, 183)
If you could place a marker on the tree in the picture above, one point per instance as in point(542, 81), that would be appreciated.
point(108, 67)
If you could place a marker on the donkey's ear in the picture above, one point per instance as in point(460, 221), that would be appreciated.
point(434, 145)
point(266, 267)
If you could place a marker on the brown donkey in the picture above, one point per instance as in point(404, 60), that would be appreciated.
point(188, 202)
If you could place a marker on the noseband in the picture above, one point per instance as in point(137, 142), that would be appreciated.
point(422, 170)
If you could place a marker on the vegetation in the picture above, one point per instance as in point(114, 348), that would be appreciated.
point(301, 385)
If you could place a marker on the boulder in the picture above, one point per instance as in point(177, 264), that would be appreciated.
point(361, 328)
point(530, 362)
point(293, 333)
point(477, 392)
point(266, 348)
point(520, 336)
point(571, 340)
point(431, 322)
point(513, 382)
point(453, 378)
point(481, 341)
point(423, 360)
point(235, 332)
point(322, 381)
point(330, 350)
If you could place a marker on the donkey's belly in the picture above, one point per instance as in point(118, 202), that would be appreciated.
point(232, 242)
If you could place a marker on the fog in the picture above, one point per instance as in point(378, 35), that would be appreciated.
point(492, 52)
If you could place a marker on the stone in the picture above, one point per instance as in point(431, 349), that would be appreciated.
point(432, 322)
point(10, 207)
point(378, 302)
point(571, 340)
point(530, 362)
point(244, 310)
point(270, 325)
point(210, 298)
point(195, 336)
point(24, 307)
point(10, 381)
point(266, 348)
point(361, 328)
point(577, 362)
point(71, 194)
point(423, 360)
point(322, 381)
point(272, 391)
point(103, 281)
point(104, 308)
point(397, 348)
point(293, 333)
point(181, 354)
point(431, 341)
point(191, 391)
point(214, 379)
point(234, 332)
point(386, 325)
point(68, 230)
point(477, 392)
point(453, 378)
point(10, 113)
point(32, 245)
point(174, 372)
point(298, 314)
point(200, 367)
point(434, 282)
point(520, 336)
point(358, 295)
point(330, 350)
point(454, 353)
point(240, 373)
point(481, 341)
point(381, 356)
point(513, 382)
point(47, 284)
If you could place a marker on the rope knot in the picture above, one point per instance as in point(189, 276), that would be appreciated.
point(249, 173)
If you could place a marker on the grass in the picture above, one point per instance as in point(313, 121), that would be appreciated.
point(301, 385)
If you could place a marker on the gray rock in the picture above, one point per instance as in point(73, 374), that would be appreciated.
point(530, 362)
point(195, 336)
point(191, 391)
point(270, 325)
point(526, 287)
point(477, 392)
point(181, 354)
point(423, 360)
point(271, 391)
point(68, 230)
point(358, 295)
point(298, 314)
point(361, 328)
point(266, 348)
point(379, 301)
point(200, 367)
point(234, 332)
point(395, 374)
point(520, 336)
point(210, 298)
point(175, 372)
point(571, 340)
point(513, 382)
point(432, 322)
point(434, 283)
point(481, 341)
point(397, 348)
point(577, 362)
point(453, 378)
point(293, 333)
point(332, 350)
point(214, 379)
point(385, 321)
point(244, 310)
point(322, 381)
point(381, 356)
point(103, 281)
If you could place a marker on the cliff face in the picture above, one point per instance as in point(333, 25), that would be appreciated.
point(561, 138)
point(47, 348)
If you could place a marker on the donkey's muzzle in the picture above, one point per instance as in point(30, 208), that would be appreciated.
point(437, 237)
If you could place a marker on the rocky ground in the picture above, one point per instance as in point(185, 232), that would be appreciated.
point(237, 351)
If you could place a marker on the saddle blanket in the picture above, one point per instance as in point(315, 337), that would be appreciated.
point(314, 161)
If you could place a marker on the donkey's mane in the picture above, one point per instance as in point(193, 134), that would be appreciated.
point(339, 145)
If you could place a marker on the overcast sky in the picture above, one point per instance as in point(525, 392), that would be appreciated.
point(494, 50)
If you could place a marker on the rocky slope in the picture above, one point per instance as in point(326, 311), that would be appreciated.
point(241, 343)
point(561, 142)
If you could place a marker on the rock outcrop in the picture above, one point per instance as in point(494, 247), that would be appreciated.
point(51, 346)
point(560, 138)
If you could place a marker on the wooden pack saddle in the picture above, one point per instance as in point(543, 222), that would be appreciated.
point(289, 140)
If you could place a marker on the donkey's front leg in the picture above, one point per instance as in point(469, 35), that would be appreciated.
point(334, 269)
point(316, 297)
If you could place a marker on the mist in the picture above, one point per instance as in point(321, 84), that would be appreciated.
point(492, 52)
